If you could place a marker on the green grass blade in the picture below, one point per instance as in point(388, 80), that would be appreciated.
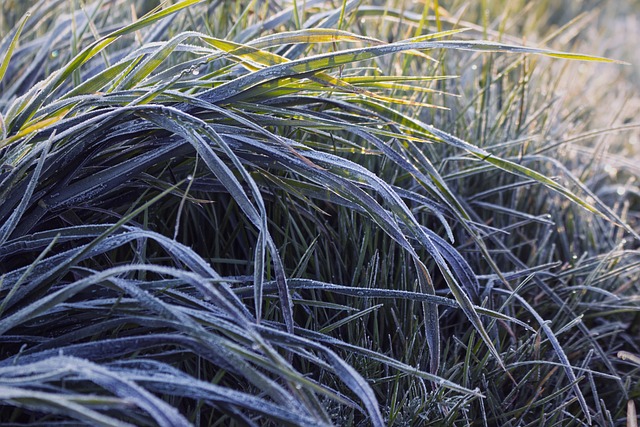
point(6, 57)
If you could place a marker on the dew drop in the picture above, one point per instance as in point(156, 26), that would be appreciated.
point(189, 177)
point(474, 67)
point(55, 53)
point(195, 72)
point(621, 191)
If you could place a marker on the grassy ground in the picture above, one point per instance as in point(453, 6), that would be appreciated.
point(292, 213)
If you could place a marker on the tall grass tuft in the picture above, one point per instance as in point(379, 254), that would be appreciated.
point(283, 213)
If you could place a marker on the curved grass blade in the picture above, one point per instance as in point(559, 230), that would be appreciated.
point(63, 404)
point(10, 224)
point(6, 57)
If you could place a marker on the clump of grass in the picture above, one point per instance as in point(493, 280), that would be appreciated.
point(218, 215)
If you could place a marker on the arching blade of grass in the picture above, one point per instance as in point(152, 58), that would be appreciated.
point(309, 36)
point(7, 228)
point(69, 405)
point(7, 51)
point(350, 318)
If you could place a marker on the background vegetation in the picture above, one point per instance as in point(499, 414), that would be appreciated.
point(306, 213)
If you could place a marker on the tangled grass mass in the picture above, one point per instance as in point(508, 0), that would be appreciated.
point(315, 213)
